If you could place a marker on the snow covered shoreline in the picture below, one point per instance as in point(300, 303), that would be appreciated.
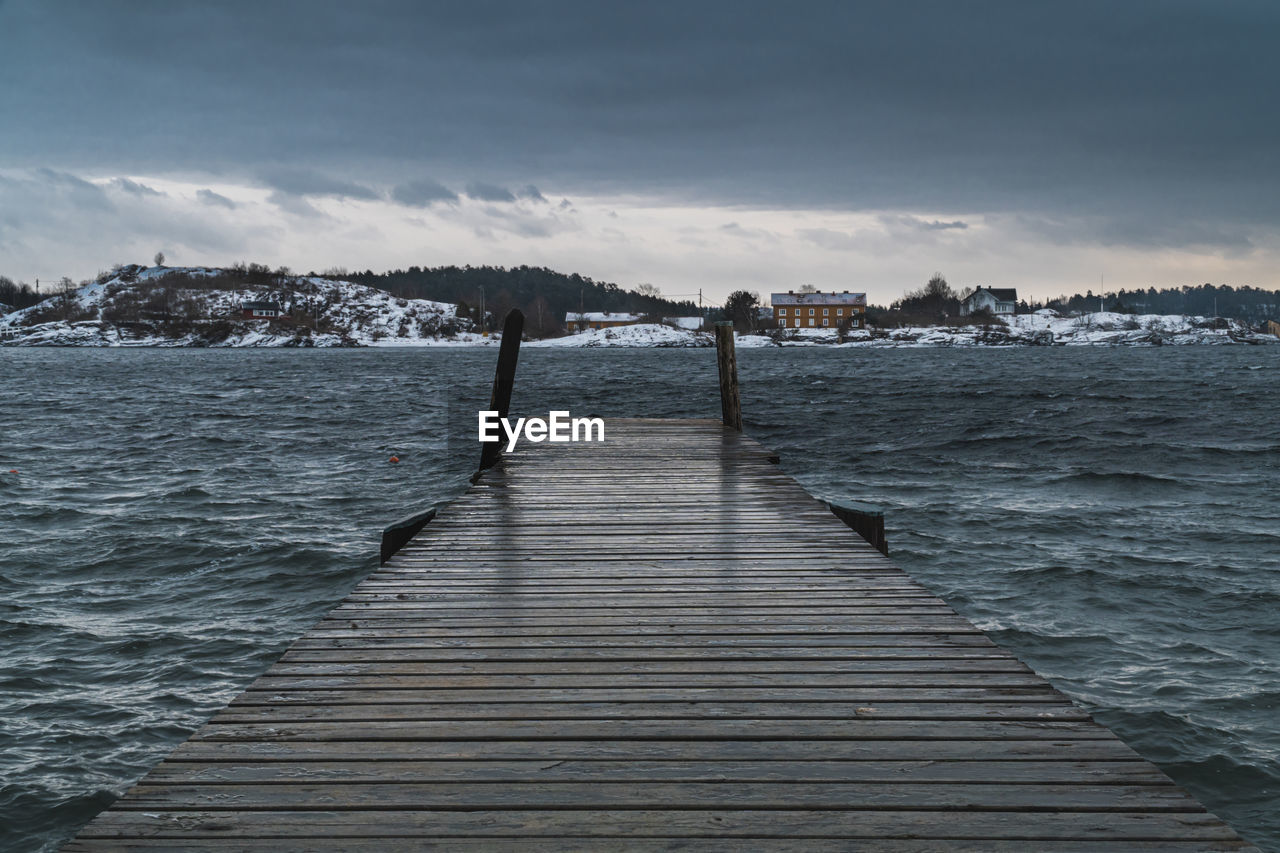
point(1043, 328)
point(122, 310)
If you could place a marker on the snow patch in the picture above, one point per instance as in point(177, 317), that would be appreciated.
point(641, 335)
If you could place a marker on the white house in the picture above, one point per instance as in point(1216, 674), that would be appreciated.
point(1000, 301)
point(579, 322)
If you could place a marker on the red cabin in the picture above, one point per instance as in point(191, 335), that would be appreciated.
point(260, 310)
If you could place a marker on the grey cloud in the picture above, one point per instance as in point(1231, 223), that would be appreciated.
point(309, 182)
point(532, 193)
point(207, 196)
point(734, 229)
point(915, 223)
point(295, 204)
point(134, 188)
point(827, 238)
point(1150, 109)
point(39, 208)
point(423, 193)
point(1133, 232)
point(490, 220)
point(489, 192)
point(72, 187)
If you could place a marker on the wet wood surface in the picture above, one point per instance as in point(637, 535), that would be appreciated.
point(656, 642)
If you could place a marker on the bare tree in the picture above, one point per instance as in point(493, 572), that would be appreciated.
point(159, 259)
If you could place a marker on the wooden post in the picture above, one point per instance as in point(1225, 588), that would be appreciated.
point(866, 521)
point(504, 380)
point(730, 403)
point(396, 536)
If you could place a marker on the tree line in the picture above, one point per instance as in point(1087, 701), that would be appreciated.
point(17, 295)
point(939, 302)
point(1250, 304)
point(544, 295)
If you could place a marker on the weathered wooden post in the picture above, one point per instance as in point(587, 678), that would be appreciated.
point(504, 380)
point(730, 403)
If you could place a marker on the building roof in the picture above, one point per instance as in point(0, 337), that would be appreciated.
point(820, 298)
point(260, 306)
point(600, 317)
point(1002, 294)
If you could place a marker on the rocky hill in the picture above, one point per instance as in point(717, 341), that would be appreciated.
point(198, 306)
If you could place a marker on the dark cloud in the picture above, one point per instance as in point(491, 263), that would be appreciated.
point(531, 193)
point(134, 188)
point(217, 200)
point(1152, 232)
point(309, 182)
point(1148, 109)
point(489, 192)
point(423, 193)
point(57, 223)
point(74, 188)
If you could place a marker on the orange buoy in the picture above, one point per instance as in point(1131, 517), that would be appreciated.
point(395, 459)
point(13, 470)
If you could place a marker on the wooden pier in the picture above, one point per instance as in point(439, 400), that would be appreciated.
point(655, 642)
point(659, 641)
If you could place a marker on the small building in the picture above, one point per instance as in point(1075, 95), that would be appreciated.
point(260, 310)
point(1001, 301)
point(793, 310)
point(580, 322)
point(1273, 327)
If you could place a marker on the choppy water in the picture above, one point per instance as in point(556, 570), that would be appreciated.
point(1113, 516)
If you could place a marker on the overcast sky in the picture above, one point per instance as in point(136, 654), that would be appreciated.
point(687, 144)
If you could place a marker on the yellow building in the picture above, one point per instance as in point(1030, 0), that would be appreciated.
point(793, 310)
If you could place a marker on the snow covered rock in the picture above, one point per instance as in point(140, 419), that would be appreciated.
point(640, 335)
point(200, 306)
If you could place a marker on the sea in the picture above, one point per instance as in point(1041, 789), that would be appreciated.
point(170, 520)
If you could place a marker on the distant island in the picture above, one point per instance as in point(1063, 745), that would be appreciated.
point(249, 305)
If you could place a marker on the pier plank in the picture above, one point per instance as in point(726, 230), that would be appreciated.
point(655, 642)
